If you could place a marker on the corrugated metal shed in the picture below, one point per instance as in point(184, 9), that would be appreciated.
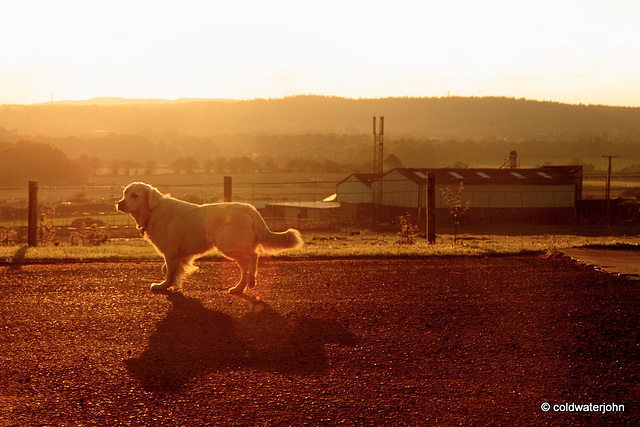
point(356, 188)
point(482, 188)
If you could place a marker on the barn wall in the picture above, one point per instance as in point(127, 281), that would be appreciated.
point(397, 190)
point(408, 194)
point(516, 196)
point(354, 191)
point(487, 202)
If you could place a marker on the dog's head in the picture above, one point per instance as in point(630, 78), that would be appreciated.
point(139, 197)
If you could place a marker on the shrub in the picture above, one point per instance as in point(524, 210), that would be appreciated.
point(8, 236)
point(89, 236)
point(407, 230)
point(456, 208)
point(46, 233)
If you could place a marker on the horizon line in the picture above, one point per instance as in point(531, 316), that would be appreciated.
point(120, 100)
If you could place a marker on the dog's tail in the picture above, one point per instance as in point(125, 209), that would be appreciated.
point(275, 242)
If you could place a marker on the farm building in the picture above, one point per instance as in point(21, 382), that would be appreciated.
point(546, 194)
point(356, 188)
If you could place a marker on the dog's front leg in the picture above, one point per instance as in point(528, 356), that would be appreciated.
point(173, 269)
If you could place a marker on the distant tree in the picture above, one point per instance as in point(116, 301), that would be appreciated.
point(178, 165)
point(366, 167)
point(241, 164)
point(130, 167)
point(88, 164)
point(115, 166)
point(270, 164)
point(299, 165)
point(247, 164)
point(220, 164)
point(207, 165)
point(28, 160)
point(149, 167)
point(460, 165)
point(233, 164)
point(330, 166)
point(190, 164)
point(392, 161)
point(632, 168)
point(586, 168)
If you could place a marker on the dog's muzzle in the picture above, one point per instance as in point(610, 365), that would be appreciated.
point(121, 206)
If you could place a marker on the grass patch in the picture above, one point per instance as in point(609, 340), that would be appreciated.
point(384, 245)
point(113, 250)
point(323, 245)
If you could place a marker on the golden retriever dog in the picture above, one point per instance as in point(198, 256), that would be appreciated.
point(182, 231)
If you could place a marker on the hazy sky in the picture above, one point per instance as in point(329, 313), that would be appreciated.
point(581, 51)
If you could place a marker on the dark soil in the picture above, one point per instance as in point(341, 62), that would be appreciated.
point(449, 341)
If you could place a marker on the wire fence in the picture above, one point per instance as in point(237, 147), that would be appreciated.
point(301, 204)
point(69, 208)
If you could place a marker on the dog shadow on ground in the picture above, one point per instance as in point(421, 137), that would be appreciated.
point(193, 340)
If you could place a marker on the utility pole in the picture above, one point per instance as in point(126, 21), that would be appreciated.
point(607, 191)
point(378, 144)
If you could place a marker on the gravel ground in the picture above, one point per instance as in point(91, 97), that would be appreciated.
point(459, 340)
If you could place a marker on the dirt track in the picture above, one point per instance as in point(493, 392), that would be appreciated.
point(370, 342)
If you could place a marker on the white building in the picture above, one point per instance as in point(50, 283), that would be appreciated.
point(356, 188)
point(546, 194)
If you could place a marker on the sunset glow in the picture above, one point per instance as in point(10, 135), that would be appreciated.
point(567, 51)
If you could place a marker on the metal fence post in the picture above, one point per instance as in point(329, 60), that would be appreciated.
point(32, 228)
point(431, 208)
point(227, 189)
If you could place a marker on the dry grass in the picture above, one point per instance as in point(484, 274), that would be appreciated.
point(340, 245)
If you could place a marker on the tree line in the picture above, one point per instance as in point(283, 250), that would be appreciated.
point(27, 160)
point(190, 165)
point(70, 143)
point(35, 160)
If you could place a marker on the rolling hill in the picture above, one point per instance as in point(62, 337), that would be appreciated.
point(448, 117)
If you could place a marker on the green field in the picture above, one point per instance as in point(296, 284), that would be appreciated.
point(366, 244)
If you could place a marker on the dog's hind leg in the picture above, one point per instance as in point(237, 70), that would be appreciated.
point(248, 264)
point(244, 273)
point(252, 272)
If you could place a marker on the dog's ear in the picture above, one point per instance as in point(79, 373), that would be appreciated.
point(154, 197)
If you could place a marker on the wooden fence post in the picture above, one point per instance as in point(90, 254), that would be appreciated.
point(431, 208)
point(32, 228)
point(227, 189)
